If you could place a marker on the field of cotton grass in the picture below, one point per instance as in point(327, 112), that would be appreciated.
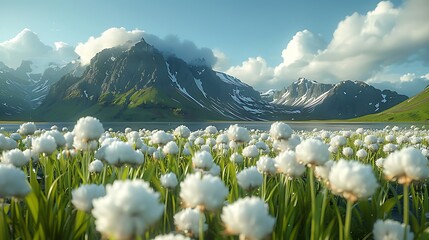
point(235, 183)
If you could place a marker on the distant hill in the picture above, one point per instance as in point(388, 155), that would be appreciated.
point(415, 109)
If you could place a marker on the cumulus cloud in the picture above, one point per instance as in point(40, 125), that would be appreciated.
point(27, 46)
point(361, 46)
point(170, 45)
point(408, 84)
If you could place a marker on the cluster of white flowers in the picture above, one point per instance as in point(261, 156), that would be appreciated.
point(161, 138)
point(15, 157)
point(118, 153)
point(287, 164)
point(127, 209)
point(249, 218)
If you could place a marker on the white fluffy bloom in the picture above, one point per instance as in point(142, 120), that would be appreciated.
point(161, 138)
point(13, 182)
point(287, 164)
point(347, 151)
point(280, 131)
point(188, 221)
point(358, 143)
point(249, 178)
point(322, 172)
point(127, 210)
point(214, 170)
point(202, 160)
point(203, 191)
point(391, 230)
point(211, 130)
point(361, 154)
point(170, 148)
point(206, 148)
point(199, 141)
point(69, 137)
point(59, 137)
point(169, 180)
point(388, 148)
point(133, 138)
point(236, 158)
point(118, 153)
point(238, 134)
point(222, 138)
point(44, 144)
point(171, 236)
point(95, 166)
point(82, 197)
point(87, 129)
point(15, 136)
point(31, 155)
point(352, 180)
point(370, 139)
point(266, 165)
point(27, 128)
point(182, 131)
point(338, 141)
point(312, 152)
point(406, 165)
point(249, 218)
point(379, 162)
point(250, 151)
point(15, 157)
point(389, 138)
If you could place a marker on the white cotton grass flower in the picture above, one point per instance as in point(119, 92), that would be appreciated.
point(15, 157)
point(210, 142)
point(133, 138)
point(118, 153)
point(249, 218)
point(389, 148)
point(31, 155)
point(287, 164)
point(347, 152)
point(312, 152)
point(211, 130)
point(59, 137)
point(370, 139)
point(206, 148)
point(27, 128)
point(389, 138)
point(338, 141)
point(391, 230)
point(95, 166)
point(236, 158)
point(266, 165)
point(170, 148)
point(15, 136)
point(352, 180)
point(203, 191)
point(379, 162)
point(199, 141)
point(358, 143)
point(361, 154)
point(169, 180)
point(171, 236)
point(249, 178)
point(280, 131)
point(13, 182)
point(214, 170)
point(222, 138)
point(83, 196)
point(202, 160)
point(322, 172)
point(250, 151)
point(238, 134)
point(406, 165)
point(333, 149)
point(188, 221)
point(161, 138)
point(182, 131)
point(44, 144)
point(127, 210)
point(87, 129)
point(69, 137)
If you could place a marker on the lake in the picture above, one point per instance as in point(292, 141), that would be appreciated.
point(297, 126)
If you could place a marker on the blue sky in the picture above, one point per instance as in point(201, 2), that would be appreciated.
point(248, 36)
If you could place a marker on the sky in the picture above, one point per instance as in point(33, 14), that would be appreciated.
point(267, 44)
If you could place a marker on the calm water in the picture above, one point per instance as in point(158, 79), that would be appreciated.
point(298, 126)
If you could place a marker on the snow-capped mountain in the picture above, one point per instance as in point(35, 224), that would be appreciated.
point(141, 83)
point(346, 99)
point(22, 90)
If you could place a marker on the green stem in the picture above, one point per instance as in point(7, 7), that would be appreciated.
point(201, 226)
point(314, 232)
point(348, 220)
point(406, 207)
point(324, 203)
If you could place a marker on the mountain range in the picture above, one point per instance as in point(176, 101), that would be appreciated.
point(143, 84)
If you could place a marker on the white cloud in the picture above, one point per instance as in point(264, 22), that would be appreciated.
point(362, 46)
point(112, 37)
point(409, 84)
point(27, 46)
point(254, 71)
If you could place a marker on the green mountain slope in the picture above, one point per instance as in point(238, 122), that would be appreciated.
point(415, 109)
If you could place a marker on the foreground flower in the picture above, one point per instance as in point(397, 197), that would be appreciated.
point(391, 230)
point(287, 164)
point(14, 157)
point(127, 210)
point(182, 131)
point(406, 166)
point(44, 144)
point(312, 152)
point(27, 128)
point(280, 131)
point(87, 129)
point(188, 221)
point(203, 191)
point(82, 197)
point(249, 178)
point(203, 160)
point(13, 182)
point(169, 180)
point(238, 134)
point(352, 180)
point(249, 218)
